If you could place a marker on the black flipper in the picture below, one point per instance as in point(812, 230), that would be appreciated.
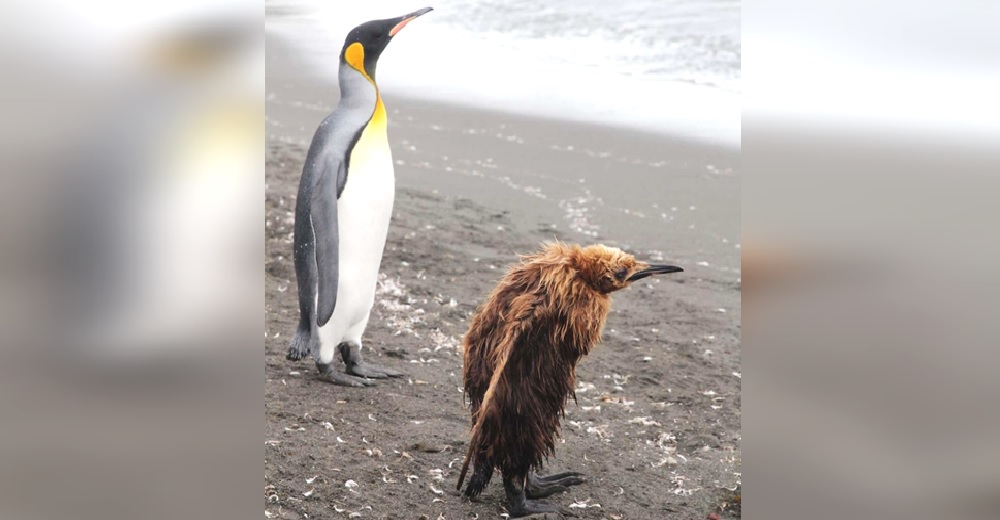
point(326, 231)
point(302, 344)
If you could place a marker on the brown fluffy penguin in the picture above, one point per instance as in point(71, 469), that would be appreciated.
point(521, 353)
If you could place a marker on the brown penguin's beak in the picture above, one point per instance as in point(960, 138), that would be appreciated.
point(655, 269)
point(403, 20)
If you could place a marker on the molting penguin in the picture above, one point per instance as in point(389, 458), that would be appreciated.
point(521, 353)
point(342, 213)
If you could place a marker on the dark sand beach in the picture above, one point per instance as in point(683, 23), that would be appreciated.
point(657, 428)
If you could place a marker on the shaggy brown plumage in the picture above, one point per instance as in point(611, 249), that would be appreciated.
point(521, 353)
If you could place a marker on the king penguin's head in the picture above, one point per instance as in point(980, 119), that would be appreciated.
point(366, 42)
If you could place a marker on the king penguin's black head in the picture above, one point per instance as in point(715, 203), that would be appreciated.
point(366, 42)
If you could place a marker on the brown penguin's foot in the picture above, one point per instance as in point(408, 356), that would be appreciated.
point(351, 354)
point(541, 487)
point(328, 374)
point(518, 505)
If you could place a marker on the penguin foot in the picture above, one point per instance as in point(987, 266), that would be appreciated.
point(351, 354)
point(572, 478)
point(372, 371)
point(518, 505)
point(328, 374)
point(541, 487)
point(532, 507)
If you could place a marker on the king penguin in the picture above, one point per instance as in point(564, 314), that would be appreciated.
point(342, 213)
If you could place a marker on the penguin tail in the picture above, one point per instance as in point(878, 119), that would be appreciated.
point(482, 470)
point(301, 345)
point(465, 468)
point(481, 475)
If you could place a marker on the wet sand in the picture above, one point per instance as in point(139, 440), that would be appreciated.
point(657, 427)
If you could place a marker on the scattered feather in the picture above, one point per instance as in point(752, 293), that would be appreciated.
point(663, 462)
point(679, 489)
point(601, 431)
point(645, 421)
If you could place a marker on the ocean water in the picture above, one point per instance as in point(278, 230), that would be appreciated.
point(668, 66)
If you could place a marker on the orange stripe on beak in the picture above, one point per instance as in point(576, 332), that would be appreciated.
point(399, 26)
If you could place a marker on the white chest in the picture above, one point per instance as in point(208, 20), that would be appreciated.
point(365, 206)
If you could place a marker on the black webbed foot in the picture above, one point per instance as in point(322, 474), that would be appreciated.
point(540, 487)
point(351, 354)
point(519, 506)
point(559, 476)
point(328, 374)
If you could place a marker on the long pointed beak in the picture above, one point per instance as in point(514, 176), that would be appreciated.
point(403, 20)
point(655, 269)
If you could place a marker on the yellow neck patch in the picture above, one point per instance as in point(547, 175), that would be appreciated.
point(355, 57)
point(378, 119)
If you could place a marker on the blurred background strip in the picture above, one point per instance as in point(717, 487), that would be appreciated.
point(872, 154)
point(132, 149)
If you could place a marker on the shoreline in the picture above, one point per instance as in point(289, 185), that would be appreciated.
point(281, 57)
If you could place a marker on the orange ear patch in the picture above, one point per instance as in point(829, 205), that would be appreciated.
point(355, 57)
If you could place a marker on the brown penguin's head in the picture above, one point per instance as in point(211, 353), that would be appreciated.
point(609, 269)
